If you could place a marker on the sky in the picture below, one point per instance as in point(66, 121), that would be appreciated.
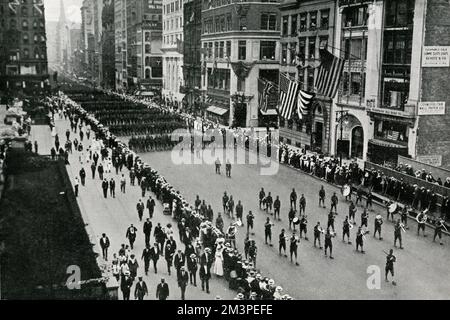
point(72, 8)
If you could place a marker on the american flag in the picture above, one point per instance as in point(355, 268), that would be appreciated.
point(304, 102)
point(330, 73)
point(288, 94)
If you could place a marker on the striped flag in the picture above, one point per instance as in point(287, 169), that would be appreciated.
point(304, 103)
point(288, 94)
point(330, 73)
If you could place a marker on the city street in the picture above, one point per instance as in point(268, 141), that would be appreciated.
point(114, 216)
point(419, 269)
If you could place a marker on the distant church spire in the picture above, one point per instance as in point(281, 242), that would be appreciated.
point(62, 13)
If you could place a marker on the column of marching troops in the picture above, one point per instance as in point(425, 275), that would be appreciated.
point(210, 250)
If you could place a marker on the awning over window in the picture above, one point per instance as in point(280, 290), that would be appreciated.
point(269, 112)
point(387, 144)
point(217, 110)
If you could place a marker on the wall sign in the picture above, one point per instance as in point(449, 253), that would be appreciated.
point(433, 160)
point(431, 108)
point(436, 56)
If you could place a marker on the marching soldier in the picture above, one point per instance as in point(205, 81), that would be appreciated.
point(390, 259)
point(277, 207)
point(398, 233)
point(293, 247)
point(404, 217)
point(140, 209)
point(352, 211)
point(360, 240)
point(303, 226)
point(293, 198)
point(329, 243)
point(268, 231)
point(262, 195)
point(317, 232)
point(331, 220)
point(250, 218)
point(302, 204)
point(378, 223)
point(346, 230)
point(322, 196)
point(291, 216)
point(334, 202)
point(282, 242)
point(252, 251)
point(438, 230)
point(421, 220)
point(364, 217)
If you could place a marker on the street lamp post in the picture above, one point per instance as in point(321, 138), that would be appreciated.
point(341, 114)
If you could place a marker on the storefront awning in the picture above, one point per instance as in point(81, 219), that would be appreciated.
point(269, 112)
point(387, 144)
point(217, 110)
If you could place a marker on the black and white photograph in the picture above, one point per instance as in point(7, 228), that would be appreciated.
point(236, 150)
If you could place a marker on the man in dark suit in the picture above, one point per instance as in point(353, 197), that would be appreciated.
point(192, 268)
point(112, 187)
point(141, 290)
point(146, 256)
point(154, 255)
point(147, 231)
point(150, 206)
point(104, 243)
point(105, 186)
point(183, 281)
point(205, 268)
point(131, 235)
point(162, 290)
point(179, 261)
point(125, 285)
point(140, 209)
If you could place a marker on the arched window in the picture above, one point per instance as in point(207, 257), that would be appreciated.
point(35, 24)
point(147, 73)
point(25, 38)
point(26, 53)
point(25, 25)
point(36, 38)
point(36, 53)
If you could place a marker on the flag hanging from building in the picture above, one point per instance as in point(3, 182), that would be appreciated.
point(13, 4)
point(304, 103)
point(329, 75)
point(39, 5)
point(266, 91)
point(288, 95)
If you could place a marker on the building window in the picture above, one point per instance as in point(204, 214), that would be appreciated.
point(355, 16)
point(216, 49)
point(398, 47)
point(241, 84)
point(221, 48)
point(302, 47)
point(210, 50)
point(284, 53)
point(303, 22)
point(228, 51)
point(355, 49)
point(391, 130)
point(147, 73)
point(310, 80)
point(399, 13)
point(25, 25)
point(294, 25)
point(313, 20)
point(229, 23)
point(267, 50)
point(324, 19)
point(293, 52)
point(312, 48)
point(26, 53)
point(25, 38)
point(345, 82)
point(285, 25)
point(242, 50)
point(147, 49)
point(323, 42)
point(355, 85)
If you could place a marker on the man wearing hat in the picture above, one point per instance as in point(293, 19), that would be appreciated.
point(162, 290)
point(192, 268)
point(205, 268)
point(378, 223)
point(125, 285)
point(141, 290)
point(131, 235)
point(179, 261)
point(183, 281)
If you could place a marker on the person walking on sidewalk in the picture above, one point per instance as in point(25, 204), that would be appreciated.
point(112, 187)
point(82, 176)
point(104, 244)
point(75, 185)
point(105, 188)
point(123, 183)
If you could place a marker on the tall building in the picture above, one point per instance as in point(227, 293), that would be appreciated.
point(108, 45)
point(241, 41)
point(120, 21)
point(192, 64)
point(88, 39)
point(23, 46)
point(306, 27)
point(394, 95)
point(172, 52)
point(144, 41)
point(62, 39)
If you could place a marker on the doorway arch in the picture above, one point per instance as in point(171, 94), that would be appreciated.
point(357, 142)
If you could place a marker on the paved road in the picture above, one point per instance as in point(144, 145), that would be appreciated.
point(421, 268)
point(113, 216)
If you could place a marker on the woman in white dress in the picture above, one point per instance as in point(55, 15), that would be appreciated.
point(218, 263)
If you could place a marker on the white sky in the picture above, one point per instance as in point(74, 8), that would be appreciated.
point(72, 8)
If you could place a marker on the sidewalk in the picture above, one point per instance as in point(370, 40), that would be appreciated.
point(114, 215)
